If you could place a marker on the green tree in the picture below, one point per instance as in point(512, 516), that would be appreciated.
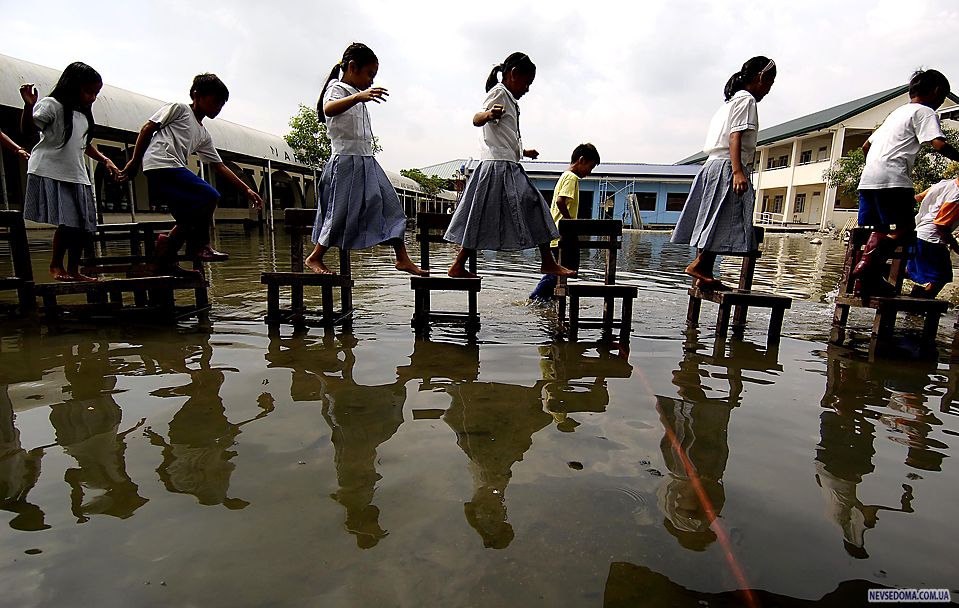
point(930, 167)
point(431, 184)
point(309, 139)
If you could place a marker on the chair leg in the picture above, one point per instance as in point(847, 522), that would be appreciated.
point(739, 320)
point(775, 326)
point(692, 311)
point(573, 318)
point(272, 302)
point(722, 320)
point(839, 319)
point(627, 324)
point(326, 296)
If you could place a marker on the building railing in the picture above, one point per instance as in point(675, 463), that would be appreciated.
point(769, 219)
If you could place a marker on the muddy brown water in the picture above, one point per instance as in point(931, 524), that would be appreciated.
point(219, 465)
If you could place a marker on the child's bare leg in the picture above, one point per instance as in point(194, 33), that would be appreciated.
point(701, 269)
point(78, 238)
point(458, 269)
point(60, 242)
point(549, 264)
point(315, 260)
point(403, 261)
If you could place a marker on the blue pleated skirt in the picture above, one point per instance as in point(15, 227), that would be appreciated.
point(502, 210)
point(714, 217)
point(358, 207)
point(51, 201)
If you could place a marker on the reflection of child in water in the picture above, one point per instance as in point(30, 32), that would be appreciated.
point(19, 472)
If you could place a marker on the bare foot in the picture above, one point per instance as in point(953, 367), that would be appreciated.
point(317, 266)
point(79, 276)
point(694, 271)
point(60, 274)
point(557, 270)
point(460, 272)
point(175, 270)
point(711, 285)
point(410, 267)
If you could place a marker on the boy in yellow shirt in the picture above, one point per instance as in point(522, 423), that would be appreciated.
point(565, 206)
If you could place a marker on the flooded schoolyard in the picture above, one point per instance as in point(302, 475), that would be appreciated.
point(222, 465)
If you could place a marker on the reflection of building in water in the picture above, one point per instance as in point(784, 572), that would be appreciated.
point(575, 381)
point(494, 425)
point(87, 426)
point(19, 472)
point(361, 418)
point(197, 457)
point(695, 435)
point(856, 392)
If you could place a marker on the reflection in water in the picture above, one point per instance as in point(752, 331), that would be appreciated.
point(857, 394)
point(575, 381)
point(19, 472)
point(361, 418)
point(197, 457)
point(87, 427)
point(695, 445)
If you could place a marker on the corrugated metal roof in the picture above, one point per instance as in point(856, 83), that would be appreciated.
point(818, 120)
point(127, 111)
point(445, 170)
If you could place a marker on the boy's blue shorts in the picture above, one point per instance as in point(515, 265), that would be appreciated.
point(887, 206)
point(930, 263)
point(183, 192)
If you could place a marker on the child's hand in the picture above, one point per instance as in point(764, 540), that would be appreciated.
point(531, 154)
point(29, 94)
point(377, 94)
point(129, 172)
point(257, 202)
point(740, 183)
point(112, 170)
point(496, 112)
point(22, 153)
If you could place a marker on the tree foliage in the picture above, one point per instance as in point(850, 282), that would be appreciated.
point(930, 167)
point(431, 184)
point(309, 139)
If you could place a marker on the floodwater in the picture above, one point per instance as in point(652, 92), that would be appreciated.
point(223, 466)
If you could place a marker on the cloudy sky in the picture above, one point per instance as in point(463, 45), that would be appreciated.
point(638, 79)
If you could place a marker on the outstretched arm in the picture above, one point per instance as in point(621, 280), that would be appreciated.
point(945, 148)
point(223, 170)
point(98, 156)
point(29, 94)
point(335, 107)
point(14, 146)
point(143, 140)
point(495, 112)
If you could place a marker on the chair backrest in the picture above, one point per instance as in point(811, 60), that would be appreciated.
point(299, 225)
point(15, 233)
point(858, 237)
point(430, 228)
point(577, 235)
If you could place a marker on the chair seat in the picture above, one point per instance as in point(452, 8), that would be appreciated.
point(903, 303)
point(601, 290)
point(437, 283)
point(742, 297)
point(117, 285)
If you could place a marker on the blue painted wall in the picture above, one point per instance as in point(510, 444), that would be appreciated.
point(660, 216)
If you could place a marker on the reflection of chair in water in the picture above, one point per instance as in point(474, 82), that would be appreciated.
point(361, 418)
point(574, 381)
point(19, 472)
point(87, 426)
point(855, 394)
point(197, 457)
point(494, 425)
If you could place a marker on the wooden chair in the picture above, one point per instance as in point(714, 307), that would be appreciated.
point(742, 298)
point(13, 231)
point(429, 229)
point(153, 296)
point(299, 226)
point(575, 237)
point(887, 308)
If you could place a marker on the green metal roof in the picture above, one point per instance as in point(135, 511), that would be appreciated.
point(818, 120)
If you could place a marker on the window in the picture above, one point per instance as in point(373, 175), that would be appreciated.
point(800, 203)
point(778, 203)
point(765, 204)
point(645, 201)
point(770, 163)
point(548, 195)
point(675, 201)
point(823, 154)
point(815, 194)
point(805, 157)
point(784, 160)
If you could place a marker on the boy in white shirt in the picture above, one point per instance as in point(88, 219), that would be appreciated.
point(165, 142)
point(886, 194)
point(930, 266)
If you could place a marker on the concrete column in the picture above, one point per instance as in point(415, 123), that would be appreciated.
point(791, 189)
point(829, 201)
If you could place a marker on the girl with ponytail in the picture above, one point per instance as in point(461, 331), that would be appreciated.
point(500, 208)
point(718, 215)
point(358, 207)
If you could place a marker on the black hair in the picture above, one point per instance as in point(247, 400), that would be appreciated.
point(67, 92)
point(587, 151)
point(209, 84)
point(925, 82)
point(358, 52)
point(763, 66)
point(520, 61)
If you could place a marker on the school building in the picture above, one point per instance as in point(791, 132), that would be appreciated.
point(264, 161)
point(642, 195)
point(792, 157)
